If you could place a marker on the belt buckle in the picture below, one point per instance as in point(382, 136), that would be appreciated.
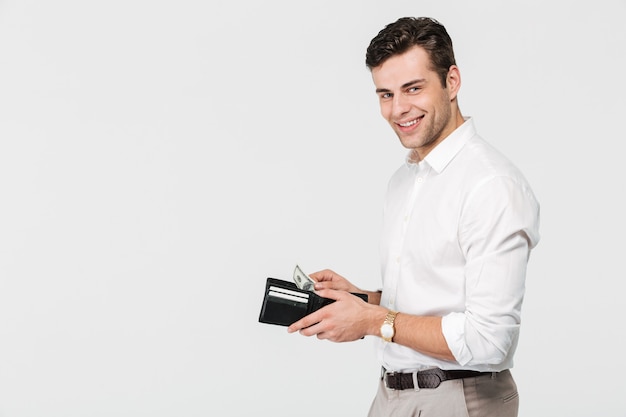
point(386, 374)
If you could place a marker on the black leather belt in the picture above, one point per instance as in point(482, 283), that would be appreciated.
point(428, 378)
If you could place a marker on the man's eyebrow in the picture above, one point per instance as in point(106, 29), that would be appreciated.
point(405, 85)
point(413, 82)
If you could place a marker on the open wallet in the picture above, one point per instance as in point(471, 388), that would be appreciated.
point(284, 303)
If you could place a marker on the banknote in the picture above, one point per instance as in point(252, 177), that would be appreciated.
point(302, 280)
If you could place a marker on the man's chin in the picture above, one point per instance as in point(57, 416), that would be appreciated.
point(409, 143)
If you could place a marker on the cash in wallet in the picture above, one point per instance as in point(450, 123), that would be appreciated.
point(286, 302)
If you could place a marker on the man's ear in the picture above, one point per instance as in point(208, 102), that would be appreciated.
point(453, 81)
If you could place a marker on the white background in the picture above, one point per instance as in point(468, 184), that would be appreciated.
point(159, 160)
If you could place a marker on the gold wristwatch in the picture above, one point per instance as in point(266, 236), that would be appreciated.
point(387, 331)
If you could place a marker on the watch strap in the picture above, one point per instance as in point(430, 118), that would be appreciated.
point(389, 321)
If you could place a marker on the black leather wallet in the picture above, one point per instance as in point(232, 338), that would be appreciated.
point(284, 303)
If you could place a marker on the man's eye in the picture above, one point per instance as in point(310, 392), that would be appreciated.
point(385, 95)
point(413, 90)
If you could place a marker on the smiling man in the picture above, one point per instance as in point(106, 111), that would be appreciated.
point(460, 221)
point(422, 109)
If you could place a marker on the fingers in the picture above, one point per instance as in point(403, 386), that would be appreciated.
point(304, 323)
point(319, 329)
point(330, 279)
point(314, 330)
point(338, 283)
point(324, 275)
point(334, 322)
point(316, 316)
point(328, 292)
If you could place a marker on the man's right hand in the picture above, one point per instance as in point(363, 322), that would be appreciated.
point(330, 279)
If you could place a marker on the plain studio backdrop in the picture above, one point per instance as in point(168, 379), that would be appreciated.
point(159, 160)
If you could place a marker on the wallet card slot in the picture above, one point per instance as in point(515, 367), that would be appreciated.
point(282, 309)
point(287, 296)
point(281, 290)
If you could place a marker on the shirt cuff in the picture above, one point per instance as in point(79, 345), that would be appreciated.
point(453, 328)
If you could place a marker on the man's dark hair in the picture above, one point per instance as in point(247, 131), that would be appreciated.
point(407, 32)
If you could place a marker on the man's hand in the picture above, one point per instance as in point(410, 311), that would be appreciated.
point(330, 279)
point(345, 320)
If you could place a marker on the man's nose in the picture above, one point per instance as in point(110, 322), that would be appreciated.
point(400, 104)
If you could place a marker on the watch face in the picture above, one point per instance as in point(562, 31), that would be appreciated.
point(386, 331)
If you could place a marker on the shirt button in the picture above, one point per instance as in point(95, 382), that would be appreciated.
point(420, 179)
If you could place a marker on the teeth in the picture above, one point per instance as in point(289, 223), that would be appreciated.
point(407, 124)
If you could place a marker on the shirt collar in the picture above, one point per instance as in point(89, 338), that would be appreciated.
point(445, 151)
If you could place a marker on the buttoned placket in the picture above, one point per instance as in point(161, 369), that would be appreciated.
point(420, 171)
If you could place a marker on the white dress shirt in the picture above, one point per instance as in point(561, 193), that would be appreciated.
point(457, 234)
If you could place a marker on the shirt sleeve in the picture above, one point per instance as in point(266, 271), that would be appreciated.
point(498, 228)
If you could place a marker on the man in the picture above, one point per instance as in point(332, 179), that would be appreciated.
point(459, 224)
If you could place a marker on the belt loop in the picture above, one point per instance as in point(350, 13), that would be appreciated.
point(416, 385)
point(493, 375)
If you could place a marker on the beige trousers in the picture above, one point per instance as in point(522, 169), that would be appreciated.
point(490, 395)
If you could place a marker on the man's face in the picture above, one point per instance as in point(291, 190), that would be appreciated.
point(414, 102)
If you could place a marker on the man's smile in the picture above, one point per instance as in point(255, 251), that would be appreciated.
point(410, 123)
